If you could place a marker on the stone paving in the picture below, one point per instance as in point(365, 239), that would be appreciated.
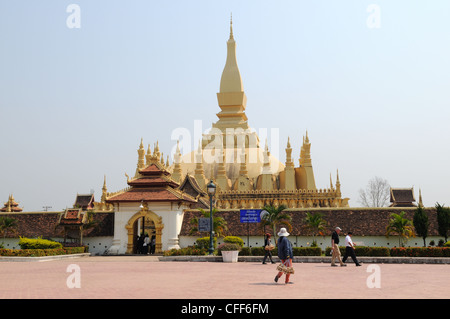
point(144, 277)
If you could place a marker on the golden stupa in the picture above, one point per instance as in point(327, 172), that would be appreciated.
point(231, 155)
point(246, 174)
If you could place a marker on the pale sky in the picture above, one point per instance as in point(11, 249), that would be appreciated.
point(370, 86)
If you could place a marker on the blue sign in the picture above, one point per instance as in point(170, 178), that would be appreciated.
point(204, 224)
point(250, 215)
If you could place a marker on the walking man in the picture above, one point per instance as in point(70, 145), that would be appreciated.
point(350, 249)
point(335, 252)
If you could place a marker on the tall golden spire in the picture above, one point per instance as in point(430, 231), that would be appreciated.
point(231, 80)
point(231, 97)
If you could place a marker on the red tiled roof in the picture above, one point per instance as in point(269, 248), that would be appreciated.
point(152, 181)
point(153, 184)
point(151, 194)
point(402, 197)
point(153, 169)
point(14, 209)
point(72, 216)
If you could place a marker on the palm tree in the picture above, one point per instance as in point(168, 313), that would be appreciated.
point(276, 217)
point(400, 225)
point(220, 227)
point(315, 224)
point(6, 224)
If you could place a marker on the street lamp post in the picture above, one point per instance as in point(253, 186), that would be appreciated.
point(211, 188)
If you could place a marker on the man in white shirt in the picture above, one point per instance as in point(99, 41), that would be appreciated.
point(350, 249)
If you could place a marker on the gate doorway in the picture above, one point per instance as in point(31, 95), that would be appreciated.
point(144, 222)
point(144, 231)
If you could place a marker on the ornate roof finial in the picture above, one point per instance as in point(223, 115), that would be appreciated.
point(420, 198)
point(231, 26)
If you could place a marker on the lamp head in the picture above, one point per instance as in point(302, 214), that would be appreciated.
point(211, 188)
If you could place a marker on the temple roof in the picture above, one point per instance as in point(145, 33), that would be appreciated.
point(402, 197)
point(72, 217)
point(11, 206)
point(153, 184)
point(84, 201)
point(151, 195)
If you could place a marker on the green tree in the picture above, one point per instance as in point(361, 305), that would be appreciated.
point(421, 223)
point(316, 225)
point(401, 226)
point(275, 217)
point(443, 220)
point(7, 224)
point(220, 227)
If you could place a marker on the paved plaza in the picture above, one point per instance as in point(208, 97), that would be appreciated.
point(144, 277)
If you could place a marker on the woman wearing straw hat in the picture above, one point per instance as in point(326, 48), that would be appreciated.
point(284, 253)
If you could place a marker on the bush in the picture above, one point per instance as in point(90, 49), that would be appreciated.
point(203, 243)
point(363, 251)
point(420, 251)
point(307, 251)
point(371, 251)
point(38, 243)
point(234, 240)
point(245, 251)
point(447, 244)
point(41, 252)
point(186, 251)
point(328, 251)
point(258, 251)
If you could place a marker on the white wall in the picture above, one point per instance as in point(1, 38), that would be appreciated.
point(306, 241)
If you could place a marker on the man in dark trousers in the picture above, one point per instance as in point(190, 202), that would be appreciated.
point(350, 249)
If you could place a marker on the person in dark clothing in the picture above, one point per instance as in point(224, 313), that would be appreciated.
point(268, 248)
point(285, 253)
point(152, 245)
point(350, 250)
point(140, 244)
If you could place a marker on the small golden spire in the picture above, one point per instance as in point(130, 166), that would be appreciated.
point(231, 26)
point(420, 198)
